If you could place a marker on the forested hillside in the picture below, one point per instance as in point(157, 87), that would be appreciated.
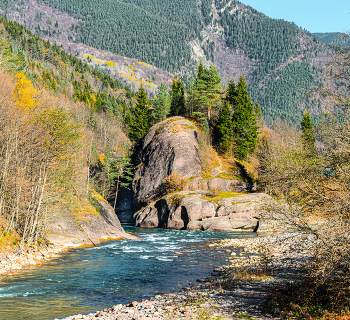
point(59, 120)
point(332, 38)
point(280, 61)
point(152, 31)
point(286, 59)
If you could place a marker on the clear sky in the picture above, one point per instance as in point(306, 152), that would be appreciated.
point(313, 15)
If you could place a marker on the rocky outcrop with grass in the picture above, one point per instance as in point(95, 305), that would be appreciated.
point(82, 223)
point(181, 183)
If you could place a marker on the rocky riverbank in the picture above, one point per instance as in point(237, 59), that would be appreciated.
point(16, 258)
point(236, 290)
point(67, 232)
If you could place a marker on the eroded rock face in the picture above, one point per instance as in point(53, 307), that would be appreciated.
point(193, 211)
point(171, 146)
point(89, 229)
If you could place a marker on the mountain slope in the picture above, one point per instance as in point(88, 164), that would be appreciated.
point(280, 61)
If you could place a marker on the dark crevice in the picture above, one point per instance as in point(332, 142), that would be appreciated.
point(184, 217)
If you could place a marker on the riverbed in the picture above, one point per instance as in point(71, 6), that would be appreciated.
point(89, 279)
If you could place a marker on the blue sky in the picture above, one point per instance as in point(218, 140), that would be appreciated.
point(313, 15)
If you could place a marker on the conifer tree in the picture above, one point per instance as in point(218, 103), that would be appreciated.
point(224, 128)
point(178, 102)
point(161, 104)
point(190, 95)
point(208, 92)
point(245, 130)
point(308, 131)
point(231, 93)
point(259, 118)
point(200, 70)
point(139, 122)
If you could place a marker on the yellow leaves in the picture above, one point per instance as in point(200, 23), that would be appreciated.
point(86, 56)
point(24, 94)
point(110, 63)
point(144, 64)
point(102, 157)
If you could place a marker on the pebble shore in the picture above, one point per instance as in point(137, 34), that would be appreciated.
point(221, 295)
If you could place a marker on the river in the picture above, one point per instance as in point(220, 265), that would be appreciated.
point(89, 279)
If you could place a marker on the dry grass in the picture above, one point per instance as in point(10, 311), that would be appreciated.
point(174, 182)
point(216, 196)
point(306, 301)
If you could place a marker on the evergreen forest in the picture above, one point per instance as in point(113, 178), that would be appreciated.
point(159, 32)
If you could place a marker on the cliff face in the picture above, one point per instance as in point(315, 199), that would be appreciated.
point(174, 192)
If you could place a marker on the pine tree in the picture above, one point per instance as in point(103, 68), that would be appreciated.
point(200, 70)
point(139, 122)
point(161, 104)
point(178, 102)
point(208, 92)
point(245, 130)
point(308, 131)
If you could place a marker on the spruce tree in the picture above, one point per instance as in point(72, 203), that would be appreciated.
point(190, 95)
point(245, 130)
point(139, 122)
point(161, 104)
point(224, 129)
point(200, 70)
point(178, 102)
point(231, 93)
point(308, 131)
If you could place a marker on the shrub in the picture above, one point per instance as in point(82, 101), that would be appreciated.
point(174, 183)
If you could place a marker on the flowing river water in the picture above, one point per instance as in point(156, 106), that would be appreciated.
point(89, 279)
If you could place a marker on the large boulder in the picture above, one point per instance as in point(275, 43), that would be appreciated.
point(196, 211)
point(172, 151)
point(170, 147)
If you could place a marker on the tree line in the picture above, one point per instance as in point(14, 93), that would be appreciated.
point(232, 119)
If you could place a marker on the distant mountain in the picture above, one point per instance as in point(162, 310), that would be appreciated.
point(280, 61)
point(332, 38)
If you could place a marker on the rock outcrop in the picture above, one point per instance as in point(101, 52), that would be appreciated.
point(89, 228)
point(173, 147)
point(196, 211)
